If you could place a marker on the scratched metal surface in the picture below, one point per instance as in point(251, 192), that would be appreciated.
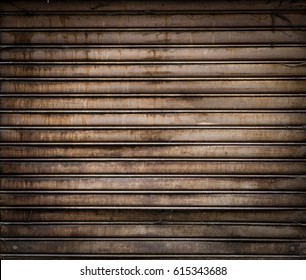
point(153, 129)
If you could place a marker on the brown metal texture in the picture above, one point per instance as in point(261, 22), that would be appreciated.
point(153, 129)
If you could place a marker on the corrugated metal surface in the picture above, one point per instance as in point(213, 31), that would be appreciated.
point(153, 129)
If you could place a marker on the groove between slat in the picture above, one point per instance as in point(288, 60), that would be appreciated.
point(147, 159)
point(48, 223)
point(165, 46)
point(147, 62)
point(66, 96)
point(240, 240)
point(91, 79)
point(289, 63)
point(198, 143)
point(220, 208)
point(151, 256)
point(152, 29)
point(79, 175)
point(275, 10)
point(136, 111)
point(148, 192)
point(155, 127)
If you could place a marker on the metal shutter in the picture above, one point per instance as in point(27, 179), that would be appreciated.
point(153, 129)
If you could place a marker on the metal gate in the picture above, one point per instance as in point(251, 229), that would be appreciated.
point(153, 129)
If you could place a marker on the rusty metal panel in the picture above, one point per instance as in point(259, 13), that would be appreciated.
point(151, 69)
point(138, 136)
point(153, 129)
point(147, 7)
point(237, 215)
point(134, 247)
point(148, 37)
point(185, 200)
point(153, 118)
point(143, 230)
point(153, 166)
point(213, 150)
point(174, 86)
point(131, 53)
point(170, 20)
point(283, 102)
point(153, 183)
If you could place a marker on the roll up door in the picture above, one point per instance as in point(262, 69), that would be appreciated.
point(153, 129)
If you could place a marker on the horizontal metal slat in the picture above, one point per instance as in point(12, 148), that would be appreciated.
point(156, 216)
point(154, 38)
point(155, 87)
point(155, 200)
point(147, 183)
point(20, 6)
point(166, 183)
point(164, 118)
point(155, 167)
point(150, 70)
point(120, 54)
point(155, 135)
point(159, 20)
point(10, 102)
point(165, 247)
point(194, 151)
point(153, 231)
